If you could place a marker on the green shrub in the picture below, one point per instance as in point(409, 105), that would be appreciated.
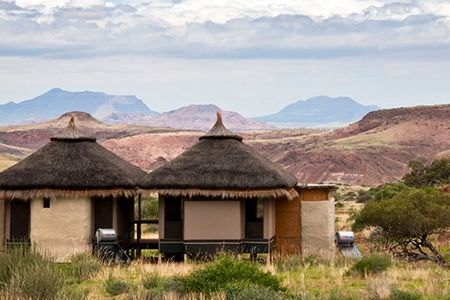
point(338, 205)
point(397, 294)
point(226, 271)
point(173, 284)
point(84, 266)
point(371, 265)
point(336, 294)
point(116, 287)
point(385, 191)
point(254, 292)
point(152, 281)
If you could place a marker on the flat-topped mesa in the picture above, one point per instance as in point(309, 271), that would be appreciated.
point(72, 134)
point(219, 131)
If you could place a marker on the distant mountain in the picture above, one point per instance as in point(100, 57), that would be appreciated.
point(369, 152)
point(192, 117)
point(321, 111)
point(56, 102)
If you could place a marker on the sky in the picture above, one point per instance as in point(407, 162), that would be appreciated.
point(252, 56)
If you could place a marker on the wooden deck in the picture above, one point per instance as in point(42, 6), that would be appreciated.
point(145, 244)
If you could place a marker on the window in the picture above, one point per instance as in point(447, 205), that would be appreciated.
point(254, 210)
point(254, 219)
point(46, 203)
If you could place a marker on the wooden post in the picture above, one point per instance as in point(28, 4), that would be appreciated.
point(138, 250)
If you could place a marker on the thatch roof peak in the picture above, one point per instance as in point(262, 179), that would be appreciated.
point(220, 165)
point(70, 165)
point(71, 134)
point(219, 131)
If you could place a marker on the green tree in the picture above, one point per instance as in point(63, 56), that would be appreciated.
point(385, 191)
point(435, 174)
point(404, 223)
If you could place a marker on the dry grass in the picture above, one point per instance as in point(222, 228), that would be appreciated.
point(308, 279)
point(321, 281)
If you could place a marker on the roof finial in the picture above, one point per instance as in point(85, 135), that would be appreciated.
point(219, 117)
point(71, 123)
point(219, 131)
point(72, 133)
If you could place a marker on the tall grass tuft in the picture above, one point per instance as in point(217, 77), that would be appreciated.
point(294, 263)
point(28, 274)
point(84, 266)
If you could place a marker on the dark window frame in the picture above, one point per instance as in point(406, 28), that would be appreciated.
point(46, 203)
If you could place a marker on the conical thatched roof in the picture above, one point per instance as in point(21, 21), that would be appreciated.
point(71, 165)
point(221, 165)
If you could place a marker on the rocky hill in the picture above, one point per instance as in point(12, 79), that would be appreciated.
point(34, 136)
point(191, 117)
point(372, 151)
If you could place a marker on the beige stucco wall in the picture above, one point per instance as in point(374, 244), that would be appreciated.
point(212, 220)
point(2, 225)
point(317, 225)
point(269, 218)
point(62, 230)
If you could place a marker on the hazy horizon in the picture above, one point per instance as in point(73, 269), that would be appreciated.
point(254, 57)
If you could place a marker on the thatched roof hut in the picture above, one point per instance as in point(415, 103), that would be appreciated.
point(221, 165)
point(70, 165)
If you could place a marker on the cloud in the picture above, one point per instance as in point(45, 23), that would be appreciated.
point(200, 29)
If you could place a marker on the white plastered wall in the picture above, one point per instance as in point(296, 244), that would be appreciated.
point(62, 230)
point(317, 219)
point(2, 225)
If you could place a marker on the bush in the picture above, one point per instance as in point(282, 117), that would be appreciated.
point(226, 271)
point(336, 294)
point(397, 294)
point(116, 287)
point(385, 191)
point(371, 265)
point(254, 292)
point(84, 266)
point(173, 284)
point(152, 281)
